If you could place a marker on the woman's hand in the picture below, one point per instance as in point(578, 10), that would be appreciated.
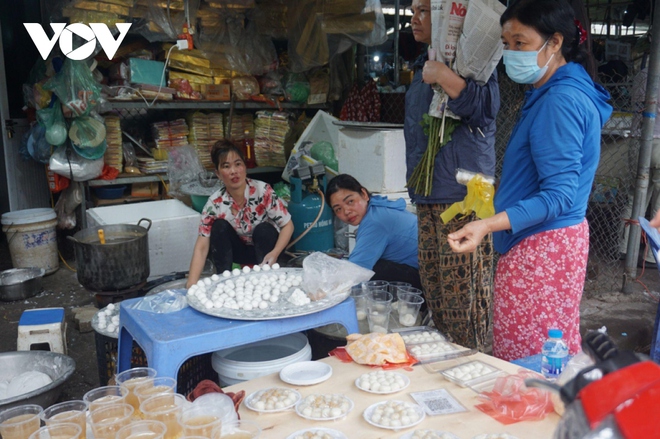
point(270, 258)
point(436, 72)
point(655, 222)
point(469, 237)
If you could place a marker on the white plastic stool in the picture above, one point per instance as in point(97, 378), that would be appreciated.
point(42, 326)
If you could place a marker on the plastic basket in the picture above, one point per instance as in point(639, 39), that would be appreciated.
point(193, 370)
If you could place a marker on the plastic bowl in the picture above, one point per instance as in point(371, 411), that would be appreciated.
point(58, 367)
point(110, 192)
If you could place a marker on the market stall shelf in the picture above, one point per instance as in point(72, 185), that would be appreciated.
point(171, 338)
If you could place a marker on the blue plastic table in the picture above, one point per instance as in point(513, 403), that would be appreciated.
point(170, 339)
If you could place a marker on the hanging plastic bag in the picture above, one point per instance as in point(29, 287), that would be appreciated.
point(87, 131)
point(320, 278)
point(75, 87)
point(65, 161)
point(37, 145)
point(53, 120)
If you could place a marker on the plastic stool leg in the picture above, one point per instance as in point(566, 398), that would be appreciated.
point(124, 350)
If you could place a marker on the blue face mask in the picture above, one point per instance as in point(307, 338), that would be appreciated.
point(522, 65)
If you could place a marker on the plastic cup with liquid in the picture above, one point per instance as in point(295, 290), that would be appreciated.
point(154, 386)
point(132, 378)
point(106, 421)
point(142, 430)
point(237, 430)
point(70, 412)
point(165, 408)
point(379, 306)
point(359, 295)
point(20, 422)
point(64, 430)
point(409, 306)
point(200, 420)
point(105, 395)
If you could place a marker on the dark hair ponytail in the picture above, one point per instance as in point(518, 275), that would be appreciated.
point(343, 181)
point(548, 17)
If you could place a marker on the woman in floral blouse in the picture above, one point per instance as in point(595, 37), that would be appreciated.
point(243, 222)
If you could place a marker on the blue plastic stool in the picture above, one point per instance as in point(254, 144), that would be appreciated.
point(42, 326)
point(654, 240)
point(170, 339)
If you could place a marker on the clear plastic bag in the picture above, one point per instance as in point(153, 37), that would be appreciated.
point(162, 303)
point(512, 401)
point(321, 280)
point(183, 167)
point(244, 87)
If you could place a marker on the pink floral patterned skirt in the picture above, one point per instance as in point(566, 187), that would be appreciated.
point(538, 286)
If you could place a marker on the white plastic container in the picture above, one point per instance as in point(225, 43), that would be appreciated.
point(377, 158)
point(32, 238)
point(172, 234)
point(242, 363)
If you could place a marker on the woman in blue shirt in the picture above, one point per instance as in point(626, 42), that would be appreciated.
point(549, 166)
point(386, 241)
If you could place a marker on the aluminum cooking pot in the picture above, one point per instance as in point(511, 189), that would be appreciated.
point(121, 262)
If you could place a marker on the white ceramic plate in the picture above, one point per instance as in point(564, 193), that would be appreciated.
point(440, 434)
point(406, 381)
point(306, 373)
point(334, 434)
point(251, 400)
point(369, 411)
point(332, 418)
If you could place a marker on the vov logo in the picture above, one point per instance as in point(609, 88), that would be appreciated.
point(64, 33)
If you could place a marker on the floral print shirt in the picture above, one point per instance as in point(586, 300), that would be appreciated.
point(261, 205)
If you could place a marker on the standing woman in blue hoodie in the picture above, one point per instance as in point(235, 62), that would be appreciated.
point(549, 166)
point(386, 241)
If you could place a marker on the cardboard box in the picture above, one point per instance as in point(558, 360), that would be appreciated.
point(376, 158)
point(217, 92)
point(172, 234)
point(147, 190)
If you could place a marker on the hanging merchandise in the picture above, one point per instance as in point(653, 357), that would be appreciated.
point(271, 131)
point(362, 105)
point(87, 132)
point(75, 87)
point(37, 145)
point(53, 120)
point(67, 162)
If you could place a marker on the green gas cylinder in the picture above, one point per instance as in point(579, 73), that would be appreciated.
point(304, 207)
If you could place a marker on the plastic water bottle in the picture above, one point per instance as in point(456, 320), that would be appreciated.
point(555, 354)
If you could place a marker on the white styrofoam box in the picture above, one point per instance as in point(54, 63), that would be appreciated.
point(376, 158)
point(320, 129)
point(172, 234)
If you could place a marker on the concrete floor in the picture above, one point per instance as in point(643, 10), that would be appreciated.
point(628, 317)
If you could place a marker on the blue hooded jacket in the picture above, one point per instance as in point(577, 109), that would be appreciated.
point(477, 105)
point(552, 156)
point(387, 231)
